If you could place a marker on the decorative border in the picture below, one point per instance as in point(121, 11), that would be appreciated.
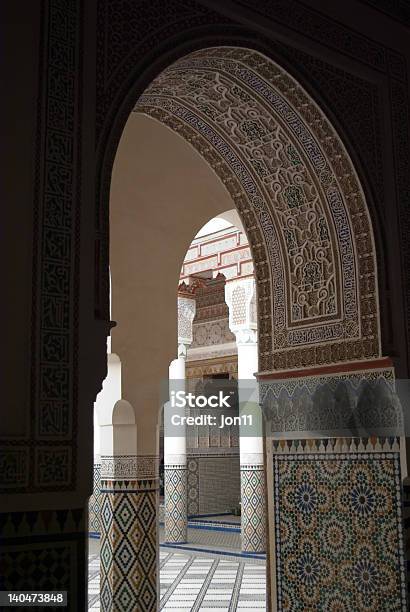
point(315, 447)
point(50, 443)
point(129, 467)
point(342, 404)
point(193, 494)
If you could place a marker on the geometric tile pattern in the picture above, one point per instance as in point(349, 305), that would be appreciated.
point(175, 503)
point(213, 483)
point(339, 542)
point(129, 467)
point(129, 551)
point(129, 535)
point(406, 522)
point(94, 503)
point(44, 550)
point(200, 582)
point(253, 513)
point(193, 486)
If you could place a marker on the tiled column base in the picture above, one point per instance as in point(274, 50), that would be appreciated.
point(175, 504)
point(129, 534)
point(94, 503)
point(253, 528)
point(406, 530)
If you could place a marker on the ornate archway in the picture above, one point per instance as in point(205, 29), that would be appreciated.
point(298, 196)
point(304, 212)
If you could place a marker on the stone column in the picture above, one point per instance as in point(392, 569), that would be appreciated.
point(175, 463)
point(129, 533)
point(240, 295)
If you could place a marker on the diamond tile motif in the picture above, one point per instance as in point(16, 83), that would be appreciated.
point(129, 548)
point(253, 509)
point(176, 504)
point(95, 502)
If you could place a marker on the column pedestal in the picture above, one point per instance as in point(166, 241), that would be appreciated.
point(175, 477)
point(253, 528)
point(129, 534)
point(175, 472)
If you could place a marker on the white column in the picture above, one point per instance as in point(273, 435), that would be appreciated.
point(240, 295)
point(129, 501)
point(175, 463)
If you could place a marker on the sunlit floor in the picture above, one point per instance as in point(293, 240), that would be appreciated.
point(198, 581)
point(207, 574)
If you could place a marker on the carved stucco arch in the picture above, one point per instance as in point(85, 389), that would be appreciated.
point(298, 196)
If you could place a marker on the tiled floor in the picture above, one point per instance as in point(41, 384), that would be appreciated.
point(229, 519)
point(200, 582)
point(215, 537)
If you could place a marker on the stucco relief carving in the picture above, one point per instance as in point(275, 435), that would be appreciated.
point(212, 333)
point(300, 201)
point(186, 314)
point(240, 295)
point(129, 467)
point(360, 404)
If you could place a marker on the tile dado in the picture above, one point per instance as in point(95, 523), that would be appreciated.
point(52, 540)
point(253, 517)
point(176, 503)
point(213, 483)
point(129, 533)
point(338, 521)
point(94, 503)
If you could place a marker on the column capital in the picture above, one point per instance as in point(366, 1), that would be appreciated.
point(246, 336)
point(240, 296)
point(182, 350)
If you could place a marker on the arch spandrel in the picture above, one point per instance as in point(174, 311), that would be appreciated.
point(297, 194)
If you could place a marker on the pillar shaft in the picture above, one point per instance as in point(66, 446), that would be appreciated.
point(175, 462)
point(240, 296)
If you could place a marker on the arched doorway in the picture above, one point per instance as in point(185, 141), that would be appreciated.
point(294, 186)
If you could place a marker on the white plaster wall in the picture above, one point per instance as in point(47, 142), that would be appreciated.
point(105, 402)
point(162, 193)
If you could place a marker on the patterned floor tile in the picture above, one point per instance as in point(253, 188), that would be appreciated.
point(199, 582)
